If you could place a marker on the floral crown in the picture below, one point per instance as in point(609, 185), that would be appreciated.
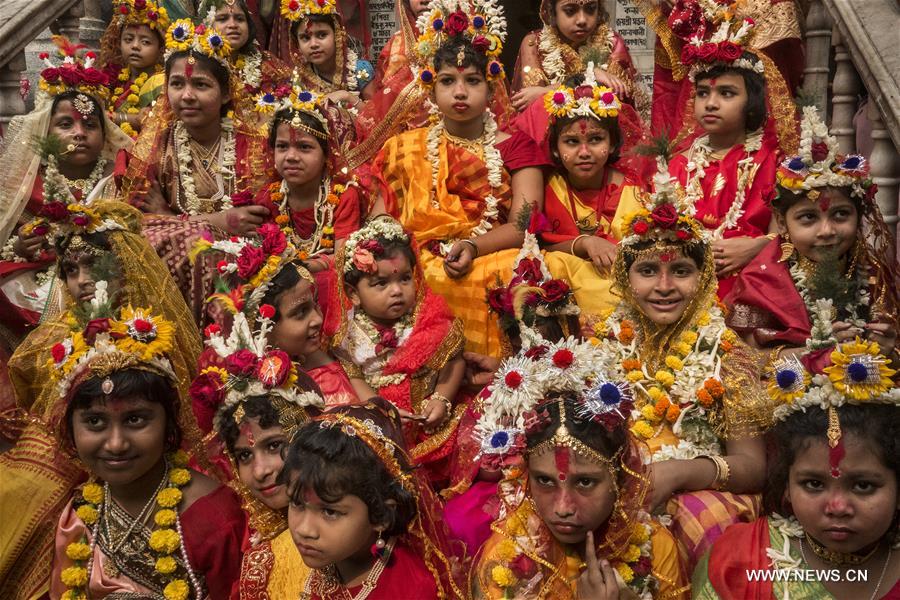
point(183, 36)
point(480, 22)
point(73, 74)
point(859, 374)
point(531, 293)
point(298, 101)
point(586, 100)
point(297, 10)
point(364, 246)
point(524, 382)
point(141, 12)
point(713, 36)
point(135, 339)
point(251, 368)
point(819, 164)
point(661, 221)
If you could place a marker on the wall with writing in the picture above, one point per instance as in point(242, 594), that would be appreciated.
point(629, 23)
point(383, 24)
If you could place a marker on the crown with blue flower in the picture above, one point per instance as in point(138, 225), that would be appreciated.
point(183, 36)
point(589, 100)
point(297, 10)
point(297, 100)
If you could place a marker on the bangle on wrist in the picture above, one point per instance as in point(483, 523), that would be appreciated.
point(575, 241)
point(474, 247)
point(447, 405)
point(723, 471)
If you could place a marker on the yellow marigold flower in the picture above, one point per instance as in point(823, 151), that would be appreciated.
point(164, 541)
point(78, 551)
point(674, 363)
point(688, 337)
point(649, 413)
point(132, 98)
point(683, 348)
point(672, 413)
point(634, 376)
point(74, 576)
point(632, 554)
point(93, 493)
point(704, 319)
point(655, 393)
point(639, 534)
point(631, 364)
point(87, 513)
point(506, 550)
point(642, 429)
point(176, 590)
point(515, 526)
point(179, 458)
point(503, 576)
point(166, 565)
point(625, 572)
point(165, 517)
point(73, 595)
point(729, 336)
point(665, 378)
point(169, 497)
point(180, 476)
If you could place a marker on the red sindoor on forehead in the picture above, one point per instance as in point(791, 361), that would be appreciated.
point(248, 431)
point(562, 458)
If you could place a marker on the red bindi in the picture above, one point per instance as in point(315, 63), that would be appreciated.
point(562, 459)
point(712, 82)
point(188, 70)
point(667, 257)
point(824, 203)
point(582, 125)
point(248, 432)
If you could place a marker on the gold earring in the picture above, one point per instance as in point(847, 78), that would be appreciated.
point(787, 248)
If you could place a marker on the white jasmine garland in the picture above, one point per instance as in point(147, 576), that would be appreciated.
point(350, 69)
point(186, 166)
point(251, 73)
point(551, 48)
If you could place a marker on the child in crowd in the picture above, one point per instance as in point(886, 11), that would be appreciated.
point(362, 519)
point(400, 341)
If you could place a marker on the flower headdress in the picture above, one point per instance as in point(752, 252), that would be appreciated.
point(298, 101)
point(141, 12)
point(859, 374)
point(182, 36)
point(480, 23)
point(363, 247)
point(713, 36)
point(819, 165)
point(73, 74)
point(297, 10)
point(586, 100)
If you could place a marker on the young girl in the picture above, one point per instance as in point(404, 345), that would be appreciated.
point(131, 54)
point(456, 197)
point(40, 183)
point(401, 342)
point(120, 412)
point(587, 196)
point(823, 280)
point(728, 171)
point(699, 405)
point(193, 162)
point(835, 478)
point(362, 519)
point(121, 264)
point(573, 520)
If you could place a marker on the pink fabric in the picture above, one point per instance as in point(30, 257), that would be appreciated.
point(469, 515)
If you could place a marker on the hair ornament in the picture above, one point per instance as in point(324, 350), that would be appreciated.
point(589, 100)
point(713, 36)
point(819, 165)
point(364, 246)
point(298, 10)
point(73, 73)
point(297, 101)
point(606, 402)
point(141, 12)
point(183, 36)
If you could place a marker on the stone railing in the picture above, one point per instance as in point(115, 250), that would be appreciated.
point(863, 37)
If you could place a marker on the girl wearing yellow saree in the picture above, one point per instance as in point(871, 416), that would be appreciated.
point(457, 198)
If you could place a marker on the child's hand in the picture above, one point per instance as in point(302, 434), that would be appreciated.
point(521, 99)
point(598, 580)
point(480, 369)
point(884, 334)
point(733, 254)
point(845, 332)
point(435, 413)
point(601, 252)
point(459, 260)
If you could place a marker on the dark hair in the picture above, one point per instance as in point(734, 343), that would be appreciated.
point(327, 19)
point(251, 27)
point(785, 198)
point(391, 247)
point(610, 124)
point(218, 70)
point(448, 51)
point(285, 115)
point(878, 424)
point(160, 35)
point(286, 279)
point(70, 96)
point(755, 109)
point(334, 464)
point(696, 252)
point(131, 383)
point(601, 11)
point(592, 434)
point(255, 407)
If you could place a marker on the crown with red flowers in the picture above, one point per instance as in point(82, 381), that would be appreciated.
point(713, 36)
point(819, 165)
point(480, 23)
point(297, 10)
point(364, 246)
point(141, 12)
point(182, 36)
point(73, 74)
point(586, 100)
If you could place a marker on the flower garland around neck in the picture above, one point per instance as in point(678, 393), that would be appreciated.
point(52, 177)
point(560, 60)
point(380, 338)
point(492, 160)
point(322, 239)
point(514, 564)
point(682, 390)
point(698, 160)
point(249, 69)
point(192, 205)
point(126, 98)
point(821, 310)
point(164, 540)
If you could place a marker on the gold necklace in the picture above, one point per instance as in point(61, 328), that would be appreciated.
point(203, 153)
point(332, 584)
point(837, 558)
point(475, 146)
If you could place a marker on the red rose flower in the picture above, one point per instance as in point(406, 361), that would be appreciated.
point(71, 75)
point(55, 211)
point(267, 311)
point(642, 566)
point(222, 266)
point(242, 198)
point(500, 301)
point(94, 77)
point(372, 246)
point(512, 380)
point(94, 327)
point(273, 239)
point(665, 216)
point(707, 52)
point(555, 290)
point(536, 352)
point(729, 51)
point(563, 358)
point(608, 97)
point(211, 330)
point(819, 151)
point(59, 353)
point(140, 4)
point(142, 325)
point(249, 261)
point(242, 362)
point(689, 54)
point(481, 44)
point(523, 567)
point(529, 269)
point(640, 227)
point(456, 23)
point(683, 234)
point(123, 9)
point(583, 91)
point(40, 230)
point(273, 368)
point(206, 395)
point(50, 74)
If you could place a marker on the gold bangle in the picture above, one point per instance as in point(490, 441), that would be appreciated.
point(447, 405)
point(723, 471)
point(474, 247)
point(575, 241)
point(771, 236)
